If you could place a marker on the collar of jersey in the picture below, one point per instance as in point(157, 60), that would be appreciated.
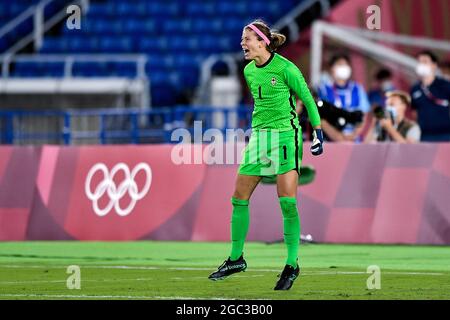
point(267, 62)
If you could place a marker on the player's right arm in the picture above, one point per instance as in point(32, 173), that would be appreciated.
point(246, 75)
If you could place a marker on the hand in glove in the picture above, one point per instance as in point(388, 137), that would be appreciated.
point(317, 143)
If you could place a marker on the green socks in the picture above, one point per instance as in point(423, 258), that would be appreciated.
point(291, 224)
point(239, 227)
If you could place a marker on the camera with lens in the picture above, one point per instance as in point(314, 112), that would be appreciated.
point(338, 117)
point(382, 113)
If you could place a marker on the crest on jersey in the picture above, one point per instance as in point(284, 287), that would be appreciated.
point(273, 81)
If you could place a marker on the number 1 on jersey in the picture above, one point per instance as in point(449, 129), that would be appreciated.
point(259, 91)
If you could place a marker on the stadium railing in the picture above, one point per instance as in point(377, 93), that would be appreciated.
point(371, 44)
point(110, 126)
point(68, 60)
point(40, 24)
point(288, 21)
point(138, 85)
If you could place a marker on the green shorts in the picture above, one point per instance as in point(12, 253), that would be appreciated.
point(271, 152)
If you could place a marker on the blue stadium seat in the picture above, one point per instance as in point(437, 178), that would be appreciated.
point(209, 44)
point(55, 45)
point(183, 44)
point(175, 79)
point(25, 27)
point(53, 7)
point(133, 27)
point(168, 78)
point(269, 9)
point(211, 25)
point(160, 61)
point(129, 9)
point(151, 44)
point(24, 66)
point(190, 76)
point(163, 94)
point(200, 9)
point(102, 26)
point(152, 27)
point(84, 44)
point(159, 77)
point(288, 5)
point(116, 44)
point(98, 10)
point(38, 69)
point(53, 73)
point(51, 69)
point(187, 60)
point(4, 44)
point(4, 15)
point(163, 8)
point(124, 69)
point(233, 8)
point(15, 8)
point(177, 26)
point(234, 25)
point(24, 74)
point(177, 35)
point(89, 69)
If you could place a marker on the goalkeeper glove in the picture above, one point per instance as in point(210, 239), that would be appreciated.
point(317, 143)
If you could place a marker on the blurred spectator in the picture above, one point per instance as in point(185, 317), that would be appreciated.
point(344, 93)
point(445, 70)
point(383, 84)
point(430, 99)
point(390, 123)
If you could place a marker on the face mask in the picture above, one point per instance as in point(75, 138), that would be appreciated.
point(423, 70)
point(392, 111)
point(387, 86)
point(342, 72)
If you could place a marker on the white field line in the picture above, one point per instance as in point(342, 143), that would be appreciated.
point(82, 296)
point(112, 280)
point(211, 269)
point(64, 281)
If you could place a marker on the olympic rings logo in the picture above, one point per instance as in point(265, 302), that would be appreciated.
point(114, 192)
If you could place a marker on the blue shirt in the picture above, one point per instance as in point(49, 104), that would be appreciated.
point(351, 97)
point(377, 97)
point(432, 114)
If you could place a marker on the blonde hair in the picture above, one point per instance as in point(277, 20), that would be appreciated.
point(276, 39)
point(404, 96)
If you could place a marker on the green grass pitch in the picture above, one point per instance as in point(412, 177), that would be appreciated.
point(179, 270)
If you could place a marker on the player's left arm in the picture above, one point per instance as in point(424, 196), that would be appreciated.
point(296, 82)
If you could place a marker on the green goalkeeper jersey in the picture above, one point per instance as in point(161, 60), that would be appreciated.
point(273, 86)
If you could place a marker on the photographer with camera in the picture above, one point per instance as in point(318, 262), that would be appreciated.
point(334, 119)
point(390, 123)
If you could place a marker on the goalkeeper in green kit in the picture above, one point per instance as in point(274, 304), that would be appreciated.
point(275, 146)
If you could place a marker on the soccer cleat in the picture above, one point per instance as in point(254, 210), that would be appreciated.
point(287, 278)
point(229, 267)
